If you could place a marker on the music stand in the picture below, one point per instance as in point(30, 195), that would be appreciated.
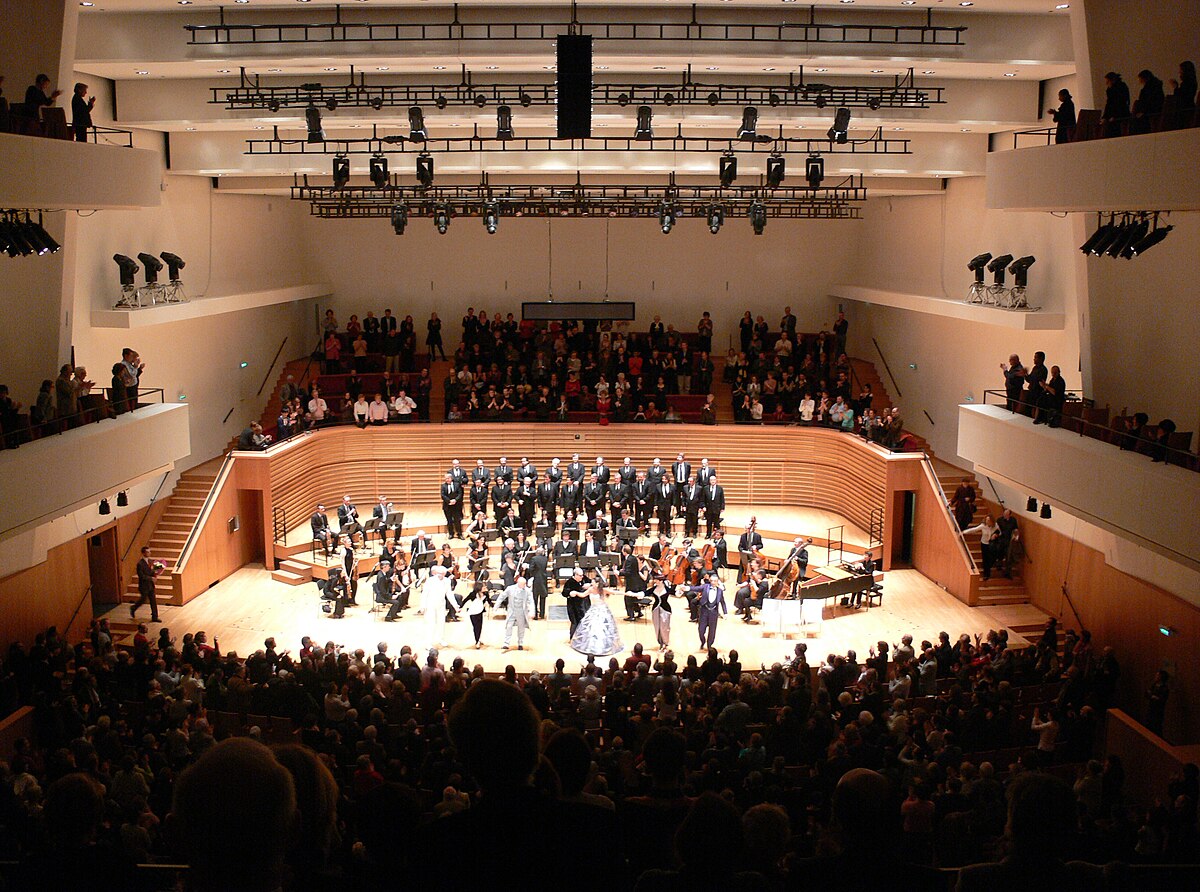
point(544, 531)
point(422, 561)
point(571, 533)
point(491, 535)
point(371, 526)
point(747, 557)
point(395, 519)
point(628, 534)
point(609, 558)
point(589, 562)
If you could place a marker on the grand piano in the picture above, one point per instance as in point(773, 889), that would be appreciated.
point(809, 606)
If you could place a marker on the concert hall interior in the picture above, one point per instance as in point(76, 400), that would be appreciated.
point(902, 283)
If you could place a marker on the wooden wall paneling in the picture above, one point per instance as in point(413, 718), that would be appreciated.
point(936, 551)
point(47, 595)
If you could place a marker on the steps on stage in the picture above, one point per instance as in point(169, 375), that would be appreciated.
point(293, 573)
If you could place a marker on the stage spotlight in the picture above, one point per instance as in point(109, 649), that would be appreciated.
point(31, 236)
point(1096, 237)
point(10, 239)
point(425, 170)
point(122, 499)
point(623, 99)
point(504, 128)
point(441, 218)
point(773, 100)
point(480, 100)
point(1031, 505)
point(669, 100)
point(416, 125)
point(977, 265)
point(840, 131)
point(491, 217)
point(1046, 514)
point(1150, 241)
point(341, 171)
point(820, 101)
point(104, 507)
point(713, 98)
point(776, 169)
point(440, 102)
point(316, 133)
point(379, 170)
point(150, 266)
point(758, 217)
point(50, 244)
point(399, 218)
point(666, 216)
point(1114, 232)
point(174, 264)
point(1137, 232)
point(998, 266)
point(814, 171)
point(525, 99)
point(644, 130)
point(728, 170)
point(1119, 244)
point(1020, 270)
point(128, 266)
point(873, 103)
point(273, 105)
point(377, 103)
point(331, 103)
point(716, 216)
point(748, 131)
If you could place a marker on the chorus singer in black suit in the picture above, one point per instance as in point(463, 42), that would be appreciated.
point(664, 502)
point(547, 499)
point(503, 471)
point(479, 497)
point(502, 496)
point(620, 496)
point(320, 529)
point(643, 501)
point(714, 505)
point(452, 507)
point(681, 470)
point(595, 495)
point(569, 498)
point(526, 497)
point(691, 500)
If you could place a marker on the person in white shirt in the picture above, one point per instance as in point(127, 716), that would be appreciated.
point(435, 595)
point(377, 412)
point(404, 406)
point(361, 410)
point(807, 407)
point(989, 541)
point(836, 412)
point(317, 409)
point(1047, 732)
point(756, 409)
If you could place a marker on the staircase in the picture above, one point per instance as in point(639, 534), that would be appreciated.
point(292, 573)
point(864, 372)
point(724, 406)
point(996, 590)
point(438, 370)
point(175, 525)
point(274, 403)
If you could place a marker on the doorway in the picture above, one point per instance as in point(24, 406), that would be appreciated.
point(104, 569)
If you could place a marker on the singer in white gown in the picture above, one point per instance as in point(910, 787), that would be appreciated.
point(597, 635)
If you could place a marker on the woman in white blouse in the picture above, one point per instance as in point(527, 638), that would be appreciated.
point(807, 407)
point(989, 540)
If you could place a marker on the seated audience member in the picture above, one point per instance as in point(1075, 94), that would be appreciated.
point(252, 439)
point(1161, 441)
point(235, 809)
point(702, 862)
point(1134, 430)
point(362, 411)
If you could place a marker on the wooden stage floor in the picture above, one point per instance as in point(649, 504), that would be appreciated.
point(249, 606)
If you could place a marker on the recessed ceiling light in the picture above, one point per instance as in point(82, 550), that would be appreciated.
point(87, 3)
point(302, 1)
point(189, 128)
point(1010, 74)
point(184, 2)
point(549, 67)
point(382, 68)
point(274, 70)
point(222, 71)
point(660, 67)
point(439, 67)
point(141, 72)
point(928, 71)
point(908, 2)
point(259, 127)
point(965, 130)
point(331, 69)
point(710, 67)
point(1063, 6)
point(491, 67)
point(876, 71)
point(965, 3)
point(241, 1)
point(847, 1)
point(768, 69)
point(602, 68)
point(820, 69)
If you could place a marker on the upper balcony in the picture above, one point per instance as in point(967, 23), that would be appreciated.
point(57, 174)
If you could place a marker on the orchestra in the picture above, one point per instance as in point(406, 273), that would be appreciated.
point(570, 525)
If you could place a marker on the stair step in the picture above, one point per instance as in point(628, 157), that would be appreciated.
point(993, 600)
point(302, 570)
point(287, 577)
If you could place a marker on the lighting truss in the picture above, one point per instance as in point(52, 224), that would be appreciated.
point(875, 144)
point(681, 27)
point(252, 94)
point(833, 202)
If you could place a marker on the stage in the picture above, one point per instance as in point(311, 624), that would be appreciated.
point(249, 606)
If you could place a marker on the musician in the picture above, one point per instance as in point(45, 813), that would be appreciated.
point(447, 560)
point(660, 609)
point(477, 526)
point(601, 471)
point(620, 495)
point(337, 590)
point(577, 602)
point(627, 472)
point(508, 524)
point(691, 501)
point(643, 501)
point(565, 552)
point(459, 474)
point(751, 540)
point(390, 553)
point(554, 472)
point(503, 472)
point(348, 524)
point(598, 526)
point(348, 559)
point(478, 497)
point(381, 510)
point(536, 566)
point(635, 572)
point(320, 529)
point(867, 568)
point(799, 554)
point(714, 505)
point(750, 595)
point(720, 550)
point(547, 499)
point(657, 549)
point(544, 541)
point(527, 503)
point(509, 569)
point(452, 506)
point(569, 496)
point(590, 547)
point(664, 501)
point(681, 470)
point(576, 470)
point(711, 606)
point(527, 469)
point(481, 474)
point(383, 583)
point(418, 546)
point(624, 522)
point(595, 496)
point(656, 473)
point(705, 474)
point(502, 496)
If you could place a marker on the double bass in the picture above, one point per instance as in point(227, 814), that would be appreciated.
point(782, 586)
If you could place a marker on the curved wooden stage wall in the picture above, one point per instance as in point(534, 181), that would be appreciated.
point(756, 465)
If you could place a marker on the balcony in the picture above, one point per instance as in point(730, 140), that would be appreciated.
point(56, 174)
point(1125, 493)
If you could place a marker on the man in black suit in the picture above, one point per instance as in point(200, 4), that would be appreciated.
point(481, 474)
point(459, 474)
point(387, 322)
point(569, 497)
point(348, 524)
point(547, 499)
point(147, 572)
point(595, 495)
point(320, 529)
point(503, 472)
point(655, 473)
point(705, 474)
point(799, 554)
point(634, 576)
point(452, 507)
point(554, 472)
point(526, 469)
point(627, 472)
point(714, 505)
point(619, 497)
point(681, 470)
point(643, 501)
point(577, 602)
point(601, 471)
point(575, 470)
point(692, 500)
point(502, 496)
point(479, 497)
point(508, 525)
point(664, 502)
point(751, 541)
point(598, 527)
point(527, 497)
point(536, 568)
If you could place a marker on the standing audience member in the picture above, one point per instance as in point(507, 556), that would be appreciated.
point(67, 396)
point(1064, 117)
point(1149, 103)
point(36, 97)
point(1116, 104)
point(1183, 89)
point(81, 112)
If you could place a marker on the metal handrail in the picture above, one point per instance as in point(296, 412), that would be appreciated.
point(123, 137)
point(56, 424)
point(185, 553)
point(931, 478)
